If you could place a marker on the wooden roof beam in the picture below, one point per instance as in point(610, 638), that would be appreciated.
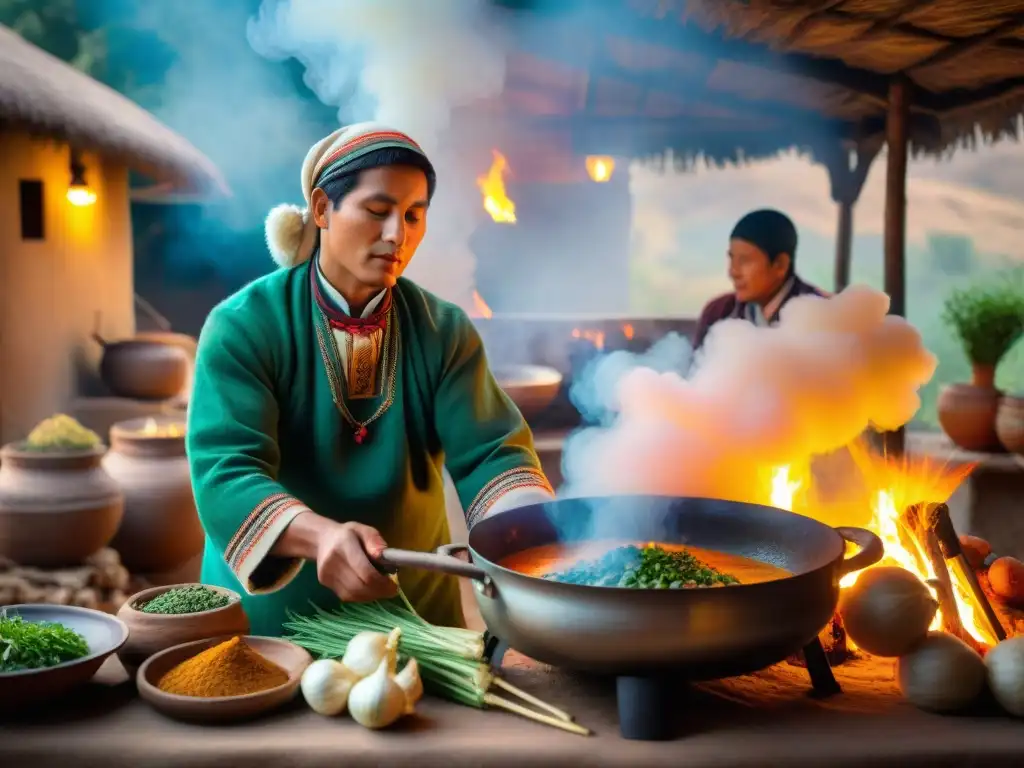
point(561, 39)
point(956, 50)
point(808, 18)
point(887, 23)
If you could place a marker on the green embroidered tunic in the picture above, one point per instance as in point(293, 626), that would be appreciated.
point(270, 435)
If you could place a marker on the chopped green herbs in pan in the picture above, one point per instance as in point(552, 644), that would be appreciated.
point(37, 645)
point(649, 567)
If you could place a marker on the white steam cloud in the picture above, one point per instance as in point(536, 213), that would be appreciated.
point(408, 64)
point(755, 399)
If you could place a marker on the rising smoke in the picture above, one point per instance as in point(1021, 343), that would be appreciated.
point(754, 399)
point(408, 64)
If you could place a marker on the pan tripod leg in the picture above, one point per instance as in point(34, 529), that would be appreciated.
point(823, 681)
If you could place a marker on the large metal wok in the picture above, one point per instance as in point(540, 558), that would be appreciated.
point(700, 633)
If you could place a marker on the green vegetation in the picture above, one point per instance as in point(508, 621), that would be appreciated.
point(649, 567)
point(37, 645)
point(191, 599)
point(988, 319)
point(61, 433)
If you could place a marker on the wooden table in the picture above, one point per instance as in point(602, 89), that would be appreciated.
point(751, 722)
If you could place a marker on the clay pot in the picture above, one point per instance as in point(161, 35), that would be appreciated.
point(151, 633)
point(143, 369)
point(160, 529)
point(1010, 423)
point(56, 507)
point(967, 412)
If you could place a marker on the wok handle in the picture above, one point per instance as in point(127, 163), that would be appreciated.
point(871, 549)
point(443, 560)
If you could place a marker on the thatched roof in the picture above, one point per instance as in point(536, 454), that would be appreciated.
point(44, 96)
point(743, 78)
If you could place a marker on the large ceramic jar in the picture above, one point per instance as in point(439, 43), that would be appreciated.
point(161, 529)
point(1010, 423)
point(967, 412)
point(56, 507)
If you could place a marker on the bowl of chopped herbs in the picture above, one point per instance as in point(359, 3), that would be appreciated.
point(162, 617)
point(47, 650)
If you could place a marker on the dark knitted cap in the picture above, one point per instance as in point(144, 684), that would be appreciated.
point(771, 231)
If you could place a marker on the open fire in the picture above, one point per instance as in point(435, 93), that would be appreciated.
point(496, 201)
point(895, 486)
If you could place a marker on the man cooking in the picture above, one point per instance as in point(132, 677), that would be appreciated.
point(330, 393)
point(762, 257)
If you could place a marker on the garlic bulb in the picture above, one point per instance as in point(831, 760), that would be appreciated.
point(365, 651)
point(377, 701)
point(942, 674)
point(409, 681)
point(326, 685)
point(1005, 665)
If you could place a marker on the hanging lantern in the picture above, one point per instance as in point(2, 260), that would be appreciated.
point(79, 193)
point(600, 167)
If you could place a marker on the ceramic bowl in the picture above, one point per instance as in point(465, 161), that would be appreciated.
point(153, 632)
point(531, 387)
point(102, 632)
point(290, 657)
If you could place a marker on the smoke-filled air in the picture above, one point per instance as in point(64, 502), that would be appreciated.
point(751, 400)
point(391, 62)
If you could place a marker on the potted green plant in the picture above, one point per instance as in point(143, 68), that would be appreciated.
point(57, 504)
point(988, 320)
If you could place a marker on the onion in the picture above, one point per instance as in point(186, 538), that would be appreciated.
point(943, 674)
point(1005, 665)
point(888, 611)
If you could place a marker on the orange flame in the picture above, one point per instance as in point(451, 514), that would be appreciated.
point(600, 168)
point(594, 337)
point(496, 202)
point(151, 428)
point(627, 331)
point(895, 485)
point(480, 308)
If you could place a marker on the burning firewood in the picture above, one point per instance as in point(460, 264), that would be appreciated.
point(921, 520)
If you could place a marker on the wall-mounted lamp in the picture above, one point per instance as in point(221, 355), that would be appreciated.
point(600, 167)
point(79, 193)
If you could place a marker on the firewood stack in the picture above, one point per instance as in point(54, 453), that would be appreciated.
point(101, 583)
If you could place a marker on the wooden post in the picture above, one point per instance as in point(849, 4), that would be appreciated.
point(896, 195)
point(896, 140)
point(847, 181)
point(844, 244)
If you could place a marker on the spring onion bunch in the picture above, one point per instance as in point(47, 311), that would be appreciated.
point(451, 660)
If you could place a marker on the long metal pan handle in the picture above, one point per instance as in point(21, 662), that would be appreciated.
point(442, 561)
point(871, 549)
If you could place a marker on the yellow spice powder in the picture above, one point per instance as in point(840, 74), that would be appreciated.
point(231, 668)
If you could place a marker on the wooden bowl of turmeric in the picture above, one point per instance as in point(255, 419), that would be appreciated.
point(162, 617)
point(223, 679)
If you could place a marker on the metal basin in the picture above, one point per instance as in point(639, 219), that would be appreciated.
point(702, 633)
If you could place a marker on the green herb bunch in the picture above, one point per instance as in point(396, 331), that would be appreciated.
point(987, 319)
point(650, 567)
point(37, 645)
point(191, 599)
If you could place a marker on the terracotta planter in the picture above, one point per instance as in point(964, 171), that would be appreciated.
point(1010, 423)
point(967, 412)
point(161, 529)
point(143, 368)
point(151, 633)
point(56, 508)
